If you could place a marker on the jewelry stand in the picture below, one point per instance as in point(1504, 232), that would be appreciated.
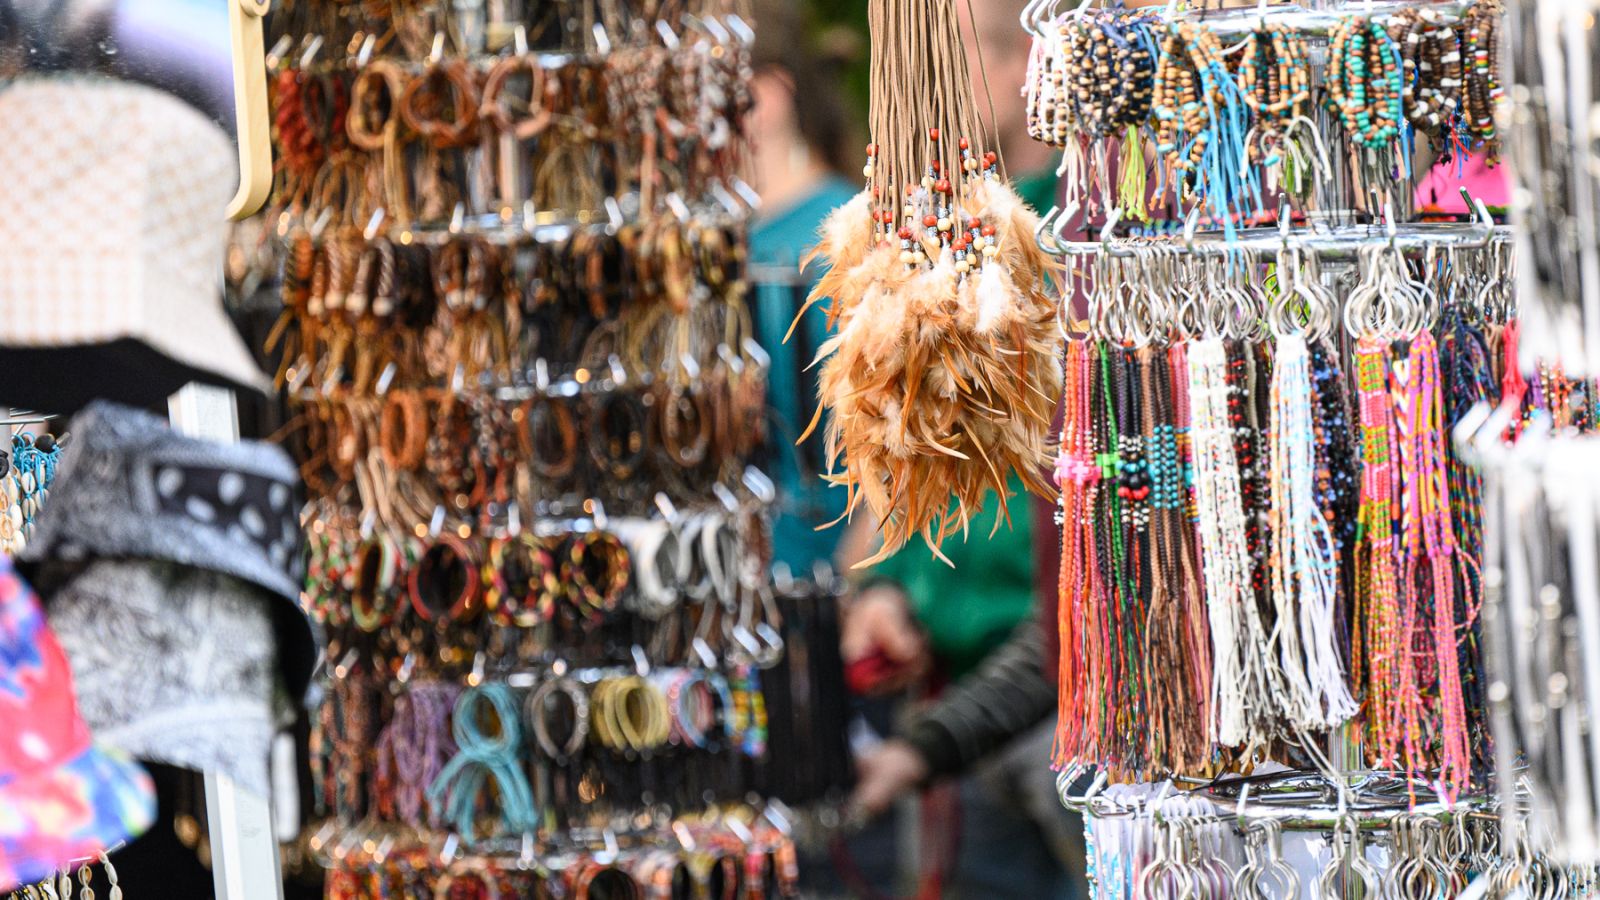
point(244, 848)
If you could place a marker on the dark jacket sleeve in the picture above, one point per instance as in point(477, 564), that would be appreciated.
point(1006, 696)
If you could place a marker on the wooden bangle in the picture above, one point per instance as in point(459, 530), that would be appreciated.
point(431, 592)
point(618, 455)
point(525, 127)
point(403, 430)
point(374, 114)
point(422, 106)
point(539, 415)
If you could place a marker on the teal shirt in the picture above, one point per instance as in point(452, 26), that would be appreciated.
point(778, 241)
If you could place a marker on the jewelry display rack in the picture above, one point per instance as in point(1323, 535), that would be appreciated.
point(1323, 804)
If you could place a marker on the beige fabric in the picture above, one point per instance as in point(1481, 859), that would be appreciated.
point(111, 222)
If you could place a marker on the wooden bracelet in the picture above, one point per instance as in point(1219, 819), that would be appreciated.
point(447, 550)
point(618, 455)
point(421, 104)
point(538, 416)
point(523, 128)
point(374, 115)
point(403, 430)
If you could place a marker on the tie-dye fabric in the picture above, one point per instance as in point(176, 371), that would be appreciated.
point(61, 797)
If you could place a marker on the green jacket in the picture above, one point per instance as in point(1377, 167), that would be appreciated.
point(970, 609)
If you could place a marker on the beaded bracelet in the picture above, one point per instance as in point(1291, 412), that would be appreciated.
point(1430, 57)
point(1275, 77)
point(522, 579)
point(597, 570)
point(1481, 88)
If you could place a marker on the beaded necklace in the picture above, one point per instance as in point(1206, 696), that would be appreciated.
point(1429, 529)
point(1187, 518)
point(1464, 358)
point(1377, 598)
point(1242, 421)
point(1107, 553)
point(1081, 601)
point(1225, 563)
point(1176, 636)
point(1337, 478)
point(1414, 662)
point(1130, 601)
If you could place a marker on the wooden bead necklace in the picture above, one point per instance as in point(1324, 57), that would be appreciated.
point(1275, 77)
point(1363, 82)
point(1430, 55)
point(1480, 44)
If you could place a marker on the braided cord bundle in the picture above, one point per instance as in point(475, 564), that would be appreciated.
point(1225, 564)
point(414, 746)
point(1305, 580)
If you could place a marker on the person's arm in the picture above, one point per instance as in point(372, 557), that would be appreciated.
point(1006, 696)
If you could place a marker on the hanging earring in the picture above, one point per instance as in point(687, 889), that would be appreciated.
point(115, 891)
point(85, 887)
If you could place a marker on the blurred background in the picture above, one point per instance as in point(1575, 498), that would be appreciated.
point(953, 718)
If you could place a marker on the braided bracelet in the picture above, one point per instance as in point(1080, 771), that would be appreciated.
point(422, 104)
point(597, 569)
point(537, 710)
point(525, 127)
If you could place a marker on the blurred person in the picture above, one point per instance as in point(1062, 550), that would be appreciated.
point(803, 143)
point(976, 625)
point(801, 137)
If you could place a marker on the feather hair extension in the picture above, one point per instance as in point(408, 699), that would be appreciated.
point(941, 375)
